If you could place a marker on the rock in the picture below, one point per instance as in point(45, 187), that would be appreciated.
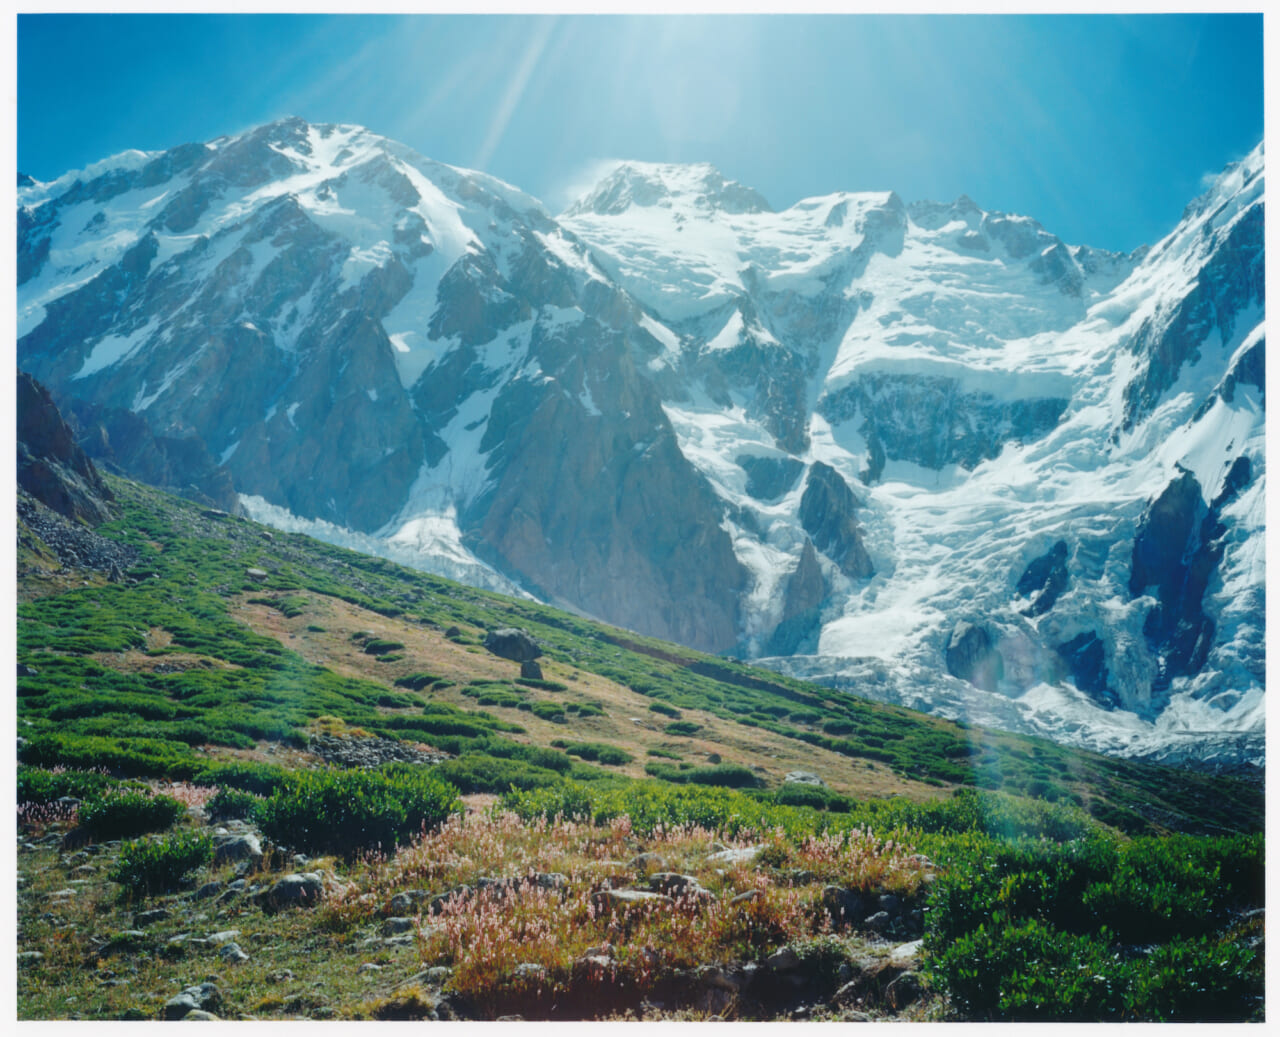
point(672, 883)
point(29, 957)
point(878, 922)
point(369, 966)
point(906, 954)
point(209, 889)
point(27, 671)
point(972, 656)
point(399, 904)
point(145, 918)
point(233, 954)
point(509, 643)
point(738, 855)
point(607, 900)
point(200, 1016)
point(745, 898)
point(244, 847)
point(453, 632)
point(226, 936)
point(646, 862)
point(530, 670)
point(891, 904)
point(803, 778)
point(806, 590)
point(393, 926)
point(783, 960)
point(903, 991)
point(305, 889)
point(529, 971)
point(256, 574)
point(198, 998)
point(844, 905)
point(827, 515)
point(52, 467)
point(1044, 580)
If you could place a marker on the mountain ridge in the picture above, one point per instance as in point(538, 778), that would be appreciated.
point(423, 356)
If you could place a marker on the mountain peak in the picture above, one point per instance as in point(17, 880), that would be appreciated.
point(650, 184)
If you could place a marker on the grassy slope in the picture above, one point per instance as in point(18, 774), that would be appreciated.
point(192, 659)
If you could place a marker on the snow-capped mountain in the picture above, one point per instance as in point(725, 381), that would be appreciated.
point(924, 451)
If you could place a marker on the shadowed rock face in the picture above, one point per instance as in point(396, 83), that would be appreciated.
point(1085, 657)
point(597, 506)
point(827, 514)
point(1044, 579)
point(51, 465)
point(972, 656)
point(802, 602)
point(1177, 550)
point(930, 421)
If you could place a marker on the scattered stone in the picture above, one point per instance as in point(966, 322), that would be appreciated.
point(198, 998)
point(783, 960)
point(647, 862)
point(530, 970)
point(738, 855)
point(297, 889)
point(369, 966)
point(550, 880)
point(803, 778)
point(509, 643)
point(625, 899)
point(233, 954)
point(891, 904)
point(145, 918)
point(903, 991)
point(225, 936)
point(844, 905)
point(672, 883)
point(244, 847)
point(209, 889)
point(392, 926)
point(370, 752)
point(280, 976)
point(878, 922)
point(745, 898)
point(200, 1016)
point(29, 957)
point(907, 954)
point(256, 574)
point(27, 671)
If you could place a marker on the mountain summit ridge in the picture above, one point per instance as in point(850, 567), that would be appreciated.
point(623, 409)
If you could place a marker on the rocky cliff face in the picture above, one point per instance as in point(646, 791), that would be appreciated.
point(828, 436)
point(51, 465)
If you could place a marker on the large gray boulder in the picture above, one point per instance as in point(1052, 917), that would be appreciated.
point(509, 643)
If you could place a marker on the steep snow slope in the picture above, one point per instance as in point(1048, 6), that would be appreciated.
point(926, 451)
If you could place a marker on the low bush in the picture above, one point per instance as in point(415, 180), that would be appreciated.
point(160, 865)
point(350, 811)
point(664, 709)
point(683, 727)
point(36, 785)
point(417, 681)
point(122, 815)
point(231, 803)
point(377, 646)
point(597, 752)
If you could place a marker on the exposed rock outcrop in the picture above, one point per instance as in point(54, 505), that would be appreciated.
point(972, 656)
point(827, 515)
point(51, 465)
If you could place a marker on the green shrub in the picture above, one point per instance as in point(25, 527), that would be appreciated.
point(259, 778)
point(231, 803)
point(552, 711)
point(377, 646)
point(160, 865)
point(532, 682)
point(683, 728)
point(417, 681)
point(664, 709)
point(479, 772)
point(598, 752)
point(36, 785)
point(795, 794)
point(350, 811)
point(121, 815)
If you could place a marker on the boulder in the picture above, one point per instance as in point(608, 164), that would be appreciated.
point(530, 670)
point(245, 847)
point(201, 997)
point(509, 643)
point(305, 889)
point(803, 778)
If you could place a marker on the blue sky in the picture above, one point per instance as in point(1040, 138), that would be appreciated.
point(1101, 127)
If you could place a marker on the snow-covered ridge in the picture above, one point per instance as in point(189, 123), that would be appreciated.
point(911, 449)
